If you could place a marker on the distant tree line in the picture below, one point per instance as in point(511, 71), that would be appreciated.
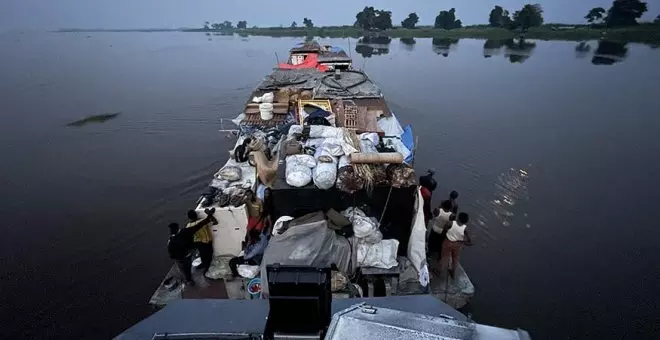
point(225, 25)
point(621, 13)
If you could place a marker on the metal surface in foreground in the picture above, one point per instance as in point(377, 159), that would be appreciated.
point(246, 319)
point(364, 321)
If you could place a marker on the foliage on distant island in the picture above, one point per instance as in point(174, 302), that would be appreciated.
point(620, 22)
point(499, 17)
point(447, 20)
point(101, 118)
point(625, 12)
point(595, 15)
point(529, 16)
point(410, 21)
point(374, 19)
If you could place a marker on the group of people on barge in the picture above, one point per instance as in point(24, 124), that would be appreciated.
point(446, 227)
point(196, 237)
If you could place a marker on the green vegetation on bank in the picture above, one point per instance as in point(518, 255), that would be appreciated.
point(617, 23)
point(644, 33)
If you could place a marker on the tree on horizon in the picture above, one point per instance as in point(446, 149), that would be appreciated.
point(528, 16)
point(370, 18)
point(625, 12)
point(595, 14)
point(410, 21)
point(499, 17)
point(447, 20)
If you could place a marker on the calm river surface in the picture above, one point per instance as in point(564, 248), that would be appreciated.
point(554, 150)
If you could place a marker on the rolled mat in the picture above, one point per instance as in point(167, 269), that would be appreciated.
point(376, 158)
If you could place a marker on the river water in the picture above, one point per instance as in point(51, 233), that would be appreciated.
point(552, 146)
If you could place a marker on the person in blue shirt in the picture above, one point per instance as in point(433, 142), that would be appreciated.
point(253, 251)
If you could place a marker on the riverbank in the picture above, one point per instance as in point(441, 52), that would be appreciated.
point(646, 33)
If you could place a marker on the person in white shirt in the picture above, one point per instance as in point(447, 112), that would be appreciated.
point(457, 236)
point(435, 233)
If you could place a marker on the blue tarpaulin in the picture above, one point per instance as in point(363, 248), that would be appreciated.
point(409, 141)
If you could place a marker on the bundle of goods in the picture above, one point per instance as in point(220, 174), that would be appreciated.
point(372, 250)
point(379, 255)
point(299, 170)
point(230, 173)
point(401, 175)
point(365, 228)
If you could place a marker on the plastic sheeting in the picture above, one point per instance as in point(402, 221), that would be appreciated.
point(390, 126)
point(311, 243)
point(408, 140)
point(311, 61)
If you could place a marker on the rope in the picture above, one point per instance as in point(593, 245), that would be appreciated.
point(382, 215)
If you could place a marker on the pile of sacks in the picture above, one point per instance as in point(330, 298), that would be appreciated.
point(299, 170)
point(372, 250)
point(328, 145)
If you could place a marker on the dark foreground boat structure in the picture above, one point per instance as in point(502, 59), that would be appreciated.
point(330, 183)
point(301, 307)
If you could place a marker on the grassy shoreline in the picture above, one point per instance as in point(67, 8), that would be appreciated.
point(644, 33)
point(641, 33)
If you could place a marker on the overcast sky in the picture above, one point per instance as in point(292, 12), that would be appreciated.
point(52, 14)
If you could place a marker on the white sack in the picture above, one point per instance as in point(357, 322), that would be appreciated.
point(248, 271)
point(304, 160)
point(417, 245)
point(379, 255)
point(298, 175)
point(325, 174)
point(322, 131)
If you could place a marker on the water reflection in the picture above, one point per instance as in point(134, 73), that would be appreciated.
point(609, 52)
point(442, 46)
point(369, 46)
point(493, 47)
point(408, 43)
point(518, 50)
point(582, 50)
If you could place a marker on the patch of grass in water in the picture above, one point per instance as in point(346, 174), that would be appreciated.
point(102, 118)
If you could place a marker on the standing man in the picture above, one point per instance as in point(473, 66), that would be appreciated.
point(181, 243)
point(457, 236)
point(202, 239)
point(453, 195)
point(428, 185)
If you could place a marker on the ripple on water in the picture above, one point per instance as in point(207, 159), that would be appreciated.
point(501, 210)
